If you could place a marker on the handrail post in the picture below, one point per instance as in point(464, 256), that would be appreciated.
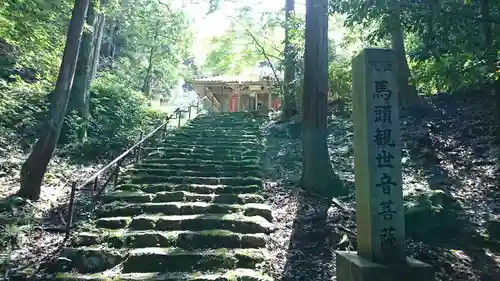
point(71, 207)
point(189, 112)
point(116, 173)
point(139, 149)
point(179, 117)
point(96, 184)
point(197, 106)
point(166, 126)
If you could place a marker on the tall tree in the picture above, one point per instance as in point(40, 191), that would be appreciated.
point(146, 87)
point(34, 168)
point(317, 171)
point(289, 105)
point(79, 98)
point(407, 92)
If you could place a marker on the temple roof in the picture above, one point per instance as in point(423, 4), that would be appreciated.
point(257, 75)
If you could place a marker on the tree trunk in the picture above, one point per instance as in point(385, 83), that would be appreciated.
point(111, 44)
point(491, 57)
point(407, 92)
point(79, 98)
point(430, 39)
point(317, 171)
point(289, 89)
point(34, 168)
point(146, 87)
point(98, 43)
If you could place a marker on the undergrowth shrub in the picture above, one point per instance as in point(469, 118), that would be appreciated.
point(118, 114)
point(22, 107)
point(340, 86)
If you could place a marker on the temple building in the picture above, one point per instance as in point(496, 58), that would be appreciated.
point(237, 93)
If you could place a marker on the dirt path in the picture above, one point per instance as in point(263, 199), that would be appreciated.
point(448, 146)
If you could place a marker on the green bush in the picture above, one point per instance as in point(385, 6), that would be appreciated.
point(22, 107)
point(340, 85)
point(450, 74)
point(118, 114)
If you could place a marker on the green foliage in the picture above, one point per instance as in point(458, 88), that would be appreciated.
point(22, 106)
point(118, 114)
point(37, 31)
point(32, 38)
point(250, 39)
point(447, 42)
point(339, 79)
point(151, 30)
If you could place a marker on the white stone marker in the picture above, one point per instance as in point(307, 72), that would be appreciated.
point(377, 154)
point(379, 194)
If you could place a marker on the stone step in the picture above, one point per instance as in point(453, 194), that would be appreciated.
point(211, 142)
point(147, 179)
point(247, 120)
point(239, 274)
point(232, 222)
point(202, 156)
point(220, 129)
point(117, 209)
point(195, 138)
point(214, 146)
point(226, 121)
point(174, 259)
point(221, 134)
point(187, 240)
point(200, 167)
point(204, 162)
point(180, 196)
point(192, 173)
point(155, 259)
point(216, 129)
point(205, 151)
point(196, 188)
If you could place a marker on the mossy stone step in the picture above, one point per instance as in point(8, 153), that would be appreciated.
point(195, 138)
point(204, 162)
point(156, 259)
point(232, 222)
point(206, 151)
point(175, 259)
point(218, 130)
point(227, 122)
point(191, 173)
point(211, 142)
point(202, 156)
point(195, 188)
point(200, 167)
point(225, 134)
point(92, 259)
point(179, 208)
point(239, 274)
point(146, 179)
point(215, 146)
point(180, 196)
point(247, 120)
point(187, 240)
point(222, 127)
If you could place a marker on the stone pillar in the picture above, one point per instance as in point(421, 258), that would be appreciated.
point(238, 99)
point(379, 195)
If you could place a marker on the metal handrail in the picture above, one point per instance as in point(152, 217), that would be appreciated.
point(137, 148)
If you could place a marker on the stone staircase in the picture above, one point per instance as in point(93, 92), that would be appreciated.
point(190, 210)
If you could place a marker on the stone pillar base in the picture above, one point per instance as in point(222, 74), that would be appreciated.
point(351, 267)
